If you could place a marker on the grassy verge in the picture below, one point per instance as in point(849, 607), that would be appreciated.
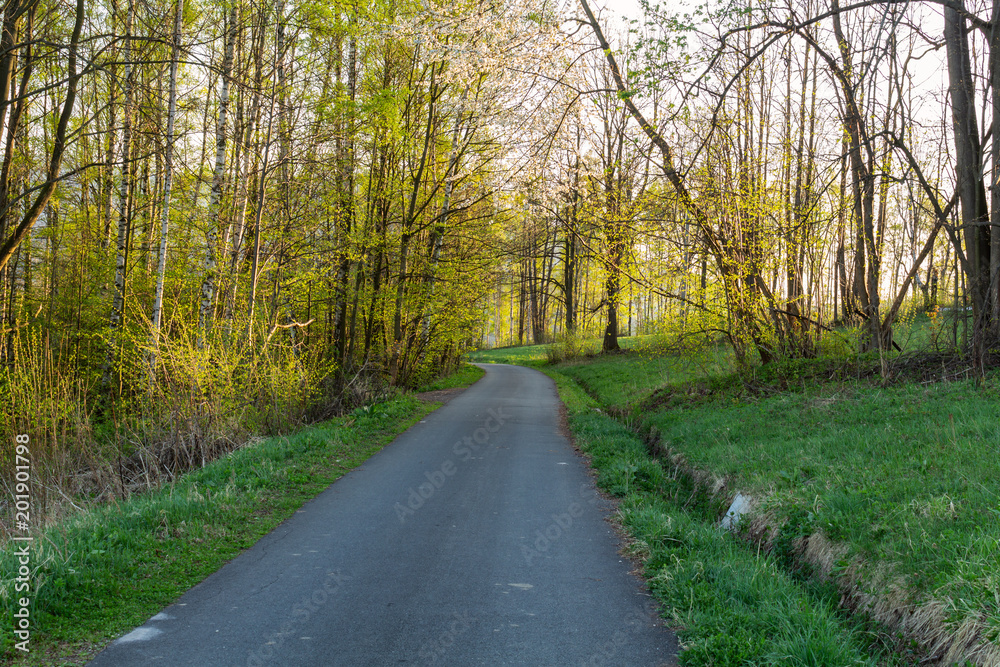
point(582, 348)
point(465, 375)
point(105, 571)
point(889, 491)
point(732, 607)
point(526, 355)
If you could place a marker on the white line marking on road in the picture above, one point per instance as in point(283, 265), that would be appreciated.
point(140, 635)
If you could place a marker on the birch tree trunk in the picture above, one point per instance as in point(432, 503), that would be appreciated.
point(125, 186)
point(215, 197)
point(168, 164)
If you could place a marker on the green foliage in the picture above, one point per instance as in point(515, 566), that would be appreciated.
point(841, 343)
point(571, 346)
point(136, 429)
point(463, 376)
point(368, 275)
point(526, 355)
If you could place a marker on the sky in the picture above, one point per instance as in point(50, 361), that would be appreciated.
point(626, 8)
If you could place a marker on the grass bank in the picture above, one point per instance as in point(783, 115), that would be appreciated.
point(100, 573)
point(890, 490)
point(464, 375)
point(731, 606)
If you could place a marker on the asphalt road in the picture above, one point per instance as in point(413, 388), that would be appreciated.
point(475, 538)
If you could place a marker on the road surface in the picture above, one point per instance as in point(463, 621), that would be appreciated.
point(475, 538)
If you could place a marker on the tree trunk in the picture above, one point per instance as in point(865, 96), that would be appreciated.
point(168, 166)
point(866, 259)
point(215, 197)
point(125, 186)
point(994, 293)
point(968, 166)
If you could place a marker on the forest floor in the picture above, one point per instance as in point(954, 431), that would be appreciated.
point(875, 495)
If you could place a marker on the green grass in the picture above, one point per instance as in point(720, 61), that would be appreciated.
point(623, 381)
point(105, 571)
point(731, 606)
point(538, 355)
point(903, 475)
point(465, 375)
point(527, 355)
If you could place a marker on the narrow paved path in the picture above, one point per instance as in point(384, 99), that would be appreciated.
point(476, 538)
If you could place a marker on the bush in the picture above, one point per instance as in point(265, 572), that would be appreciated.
point(97, 439)
point(570, 346)
point(841, 343)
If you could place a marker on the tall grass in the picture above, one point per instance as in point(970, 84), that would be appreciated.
point(100, 435)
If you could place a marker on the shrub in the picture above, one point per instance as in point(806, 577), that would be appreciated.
point(570, 346)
